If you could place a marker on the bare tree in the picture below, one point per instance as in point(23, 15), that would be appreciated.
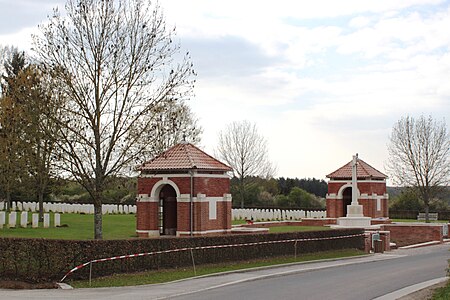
point(116, 64)
point(245, 151)
point(174, 124)
point(419, 152)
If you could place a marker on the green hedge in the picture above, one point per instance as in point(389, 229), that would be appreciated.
point(41, 260)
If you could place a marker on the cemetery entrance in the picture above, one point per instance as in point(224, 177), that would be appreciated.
point(167, 210)
point(347, 197)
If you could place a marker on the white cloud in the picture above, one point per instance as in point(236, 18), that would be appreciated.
point(359, 21)
point(322, 79)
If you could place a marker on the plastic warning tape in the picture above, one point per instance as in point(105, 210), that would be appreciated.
point(203, 248)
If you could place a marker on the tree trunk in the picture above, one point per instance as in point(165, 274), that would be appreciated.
point(427, 211)
point(242, 191)
point(41, 205)
point(8, 201)
point(98, 232)
point(8, 197)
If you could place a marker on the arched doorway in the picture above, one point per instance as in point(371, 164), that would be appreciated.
point(346, 200)
point(167, 211)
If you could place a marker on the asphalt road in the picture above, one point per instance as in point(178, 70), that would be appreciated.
point(356, 281)
point(358, 278)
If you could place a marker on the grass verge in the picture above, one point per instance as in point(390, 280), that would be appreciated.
point(442, 293)
point(167, 275)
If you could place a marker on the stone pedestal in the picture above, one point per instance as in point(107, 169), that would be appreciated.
point(354, 218)
point(361, 222)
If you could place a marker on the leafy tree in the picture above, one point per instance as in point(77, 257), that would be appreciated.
point(245, 151)
point(36, 92)
point(301, 198)
point(115, 63)
point(12, 145)
point(419, 156)
point(311, 185)
point(407, 200)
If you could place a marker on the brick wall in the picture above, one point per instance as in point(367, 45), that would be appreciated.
point(145, 185)
point(369, 188)
point(335, 208)
point(211, 187)
point(409, 234)
point(147, 216)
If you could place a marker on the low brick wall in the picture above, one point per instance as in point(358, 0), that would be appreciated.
point(303, 222)
point(380, 221)
point(410, 234)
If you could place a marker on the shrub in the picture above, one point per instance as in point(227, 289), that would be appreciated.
point(40, 260)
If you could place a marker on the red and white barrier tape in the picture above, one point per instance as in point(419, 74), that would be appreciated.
point(202, 248)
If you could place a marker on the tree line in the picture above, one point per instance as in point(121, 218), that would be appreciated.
point(104, 90)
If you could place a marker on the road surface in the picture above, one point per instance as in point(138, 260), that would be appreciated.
point(357, 278)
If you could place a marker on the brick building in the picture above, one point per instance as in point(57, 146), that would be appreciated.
point(183, 191)
point(372, 193)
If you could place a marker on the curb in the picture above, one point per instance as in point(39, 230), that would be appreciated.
point(411, 289)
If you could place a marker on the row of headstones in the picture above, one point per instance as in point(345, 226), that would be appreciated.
point(12, 220)
point(70, 208)
point(274, 214)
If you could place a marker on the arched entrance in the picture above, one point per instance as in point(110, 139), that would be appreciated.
point(346, 200)
point(167, 211)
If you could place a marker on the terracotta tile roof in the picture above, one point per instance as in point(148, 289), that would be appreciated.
point(184, 156)
point(364, 171)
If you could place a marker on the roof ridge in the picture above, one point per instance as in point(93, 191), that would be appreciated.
point(188, 154)
point(365, 170)
point(372, 167)
point(184, 156)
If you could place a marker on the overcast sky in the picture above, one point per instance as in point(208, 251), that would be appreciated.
point(322, 80)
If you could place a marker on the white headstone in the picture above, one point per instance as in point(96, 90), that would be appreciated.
point(2, 219)
point(19, 206)
point(35, 220)
point(2, 205)
point(12, 219)
point(24, 219)
point(13, 205)
point(57, 220)
point(46, 220)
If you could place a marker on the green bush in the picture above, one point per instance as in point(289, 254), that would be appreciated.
point(41, 260)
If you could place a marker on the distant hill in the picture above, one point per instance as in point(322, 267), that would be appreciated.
point(394, 191)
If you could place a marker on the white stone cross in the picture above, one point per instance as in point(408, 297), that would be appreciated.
point(354, 180)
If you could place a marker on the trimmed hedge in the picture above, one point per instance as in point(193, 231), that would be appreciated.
point(41, 260)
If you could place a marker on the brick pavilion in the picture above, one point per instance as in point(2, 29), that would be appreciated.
point(183, 191)
point(372, 193)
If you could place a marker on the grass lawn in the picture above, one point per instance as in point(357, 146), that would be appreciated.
point(415, 221)
point(297, 228)
point(159, 276)
point(81, 227)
